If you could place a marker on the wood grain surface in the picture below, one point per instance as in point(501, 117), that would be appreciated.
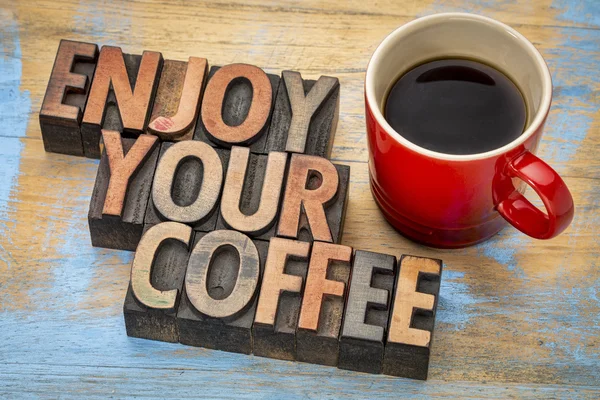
point(517, 317)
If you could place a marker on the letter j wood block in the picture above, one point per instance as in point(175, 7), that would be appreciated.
point(121, 191)
point(157, 274)
point(367, 312)
point(413, 318)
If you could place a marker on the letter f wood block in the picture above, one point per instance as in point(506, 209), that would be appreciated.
point(323, 304)
point(121, 191)
point(157, 274)
point(413, 318)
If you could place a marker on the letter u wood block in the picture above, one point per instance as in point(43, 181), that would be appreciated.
point(66, 97)
point(221, 285)
point(367, 312)
point(121, 96)
point(121, 191)
point(237, 107)
point(323, 304)
point(413, 318)
point(157, 274)
point(187, 185)
point(252, 192)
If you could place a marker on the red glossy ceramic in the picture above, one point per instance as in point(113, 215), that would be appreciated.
point(446, 200)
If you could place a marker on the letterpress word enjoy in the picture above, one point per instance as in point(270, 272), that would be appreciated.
point(220, 180)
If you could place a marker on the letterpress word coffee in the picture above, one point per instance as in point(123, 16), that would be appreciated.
point(219, 179)
point(456, 106)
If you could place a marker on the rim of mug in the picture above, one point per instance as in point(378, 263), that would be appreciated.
point(389, 41)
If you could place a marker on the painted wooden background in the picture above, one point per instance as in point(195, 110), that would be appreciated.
point(518, 317)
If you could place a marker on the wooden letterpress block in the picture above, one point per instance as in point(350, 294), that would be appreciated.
point(179, 184)
point(367, 312)
point(323, 304)
point(66, 96)
point(413, 317)
point(121, 191)
point(121, 96)
point(237, 107)
point(218, 305)
point(156, 282)
point(276, 320)
point(177, 101)
point(252, 192)
point(305, 116)
point(315, 200)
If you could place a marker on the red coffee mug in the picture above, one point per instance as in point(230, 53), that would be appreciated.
point(447, 200)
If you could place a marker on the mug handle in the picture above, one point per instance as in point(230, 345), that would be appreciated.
point(553, 191)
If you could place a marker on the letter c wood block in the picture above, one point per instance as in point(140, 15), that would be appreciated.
point(413, 318)
point(323, 304)
point(157, 274)
point(121, 191)
point(221, 285)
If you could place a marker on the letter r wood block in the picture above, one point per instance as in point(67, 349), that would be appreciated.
point(276, 320)
point(179, 182)
point(221, 285)
point(305, 116)
point(121, 96)
point(315, 200)
point(121, 191)
point(237, 107)
point(413, 317)
point(323, 304)
point(367, 312)
point(66, 97)
point(157, 274)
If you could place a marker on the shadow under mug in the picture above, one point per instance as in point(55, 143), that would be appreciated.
point(447, 200)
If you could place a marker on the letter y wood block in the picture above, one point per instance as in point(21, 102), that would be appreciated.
point(413, 317)
point(121, 191)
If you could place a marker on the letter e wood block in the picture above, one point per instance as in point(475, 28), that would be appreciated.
point(367, 312)
point(305, 116)
point(274, 329)
point(413, 317)
point(237, 107)
point(252, 192)
point(315, 200)
point(121, 96)
point(122, 190)
point(179, 185)
point(221, 286)
point(66, 97)
point(177, 103)
point(157, 274)
point(323, 304)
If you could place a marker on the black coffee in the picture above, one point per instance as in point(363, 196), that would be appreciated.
point(456, 106)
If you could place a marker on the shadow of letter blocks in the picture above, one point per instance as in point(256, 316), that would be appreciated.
point(221, 285)
point(121, 191)
point(157, 274)
point(367, 312)
point(413, 317)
